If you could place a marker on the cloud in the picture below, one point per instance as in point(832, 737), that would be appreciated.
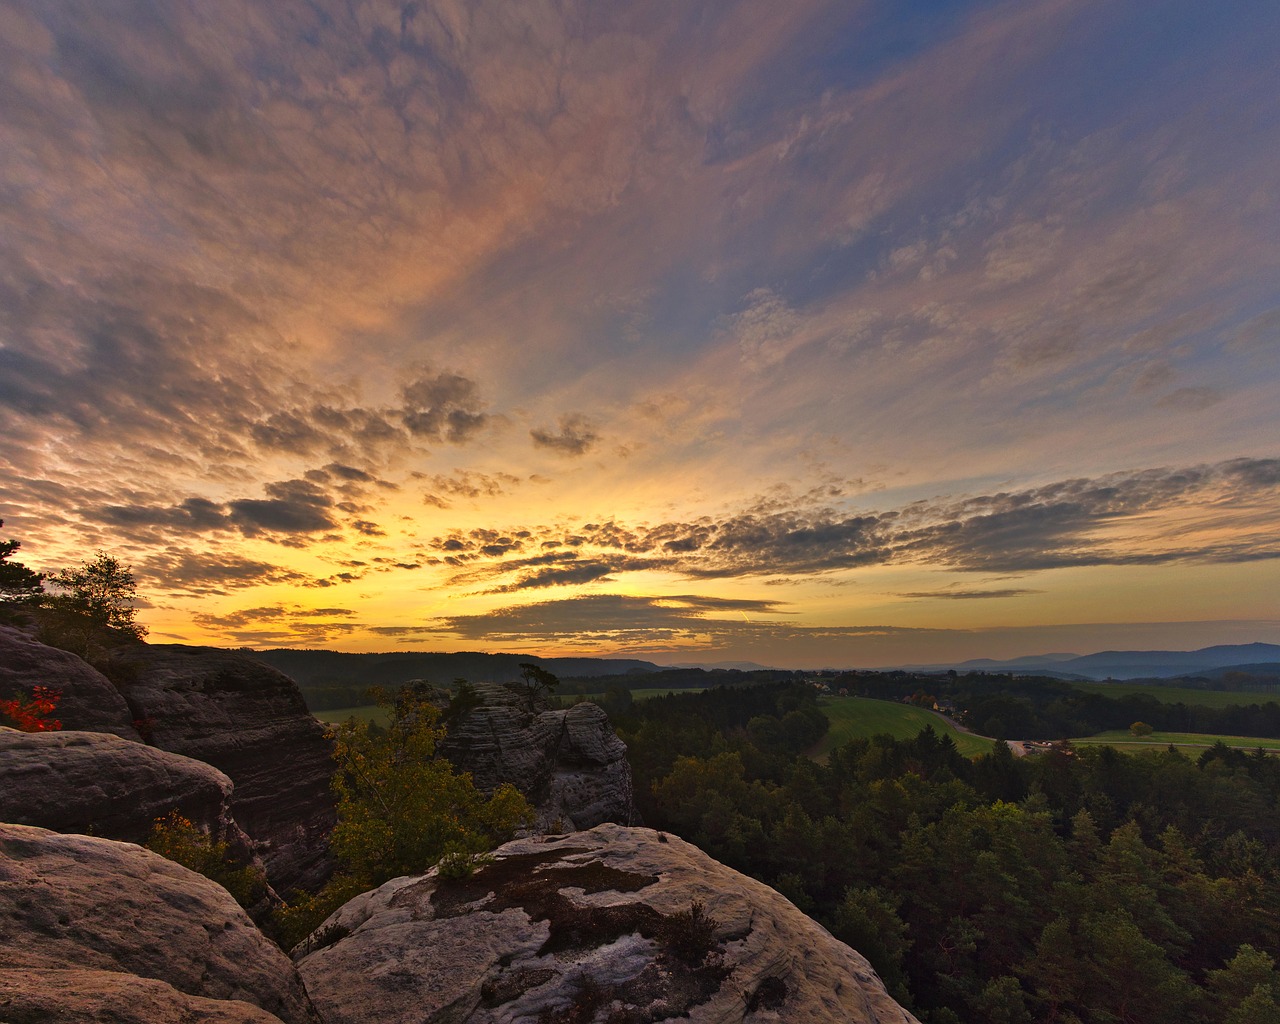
point(1191, 399)
point(211, 573)
point(280, 624)
point(617, 620)
point(444, 407)
point(294, 506)
point(763, 330)
point(258, 273)
point(966, 595)
point(576, 436)
point(463, 483)
point(1120, 519)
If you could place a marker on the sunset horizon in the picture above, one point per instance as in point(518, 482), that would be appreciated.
point(823, 335)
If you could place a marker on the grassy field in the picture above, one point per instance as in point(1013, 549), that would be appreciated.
point(855, 717)
point(1180, 695)
point(1122, 739)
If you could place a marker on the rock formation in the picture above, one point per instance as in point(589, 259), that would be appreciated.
point(89, 700)
point(76, 905)
point(616, 922)
point(570, 764)
point(42, 996)
point(249, 721)
point(97, 783)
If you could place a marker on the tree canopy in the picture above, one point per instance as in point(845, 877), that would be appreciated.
point(92, 601)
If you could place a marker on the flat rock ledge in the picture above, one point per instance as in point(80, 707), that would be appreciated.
point(82, 904)
point(615, 924)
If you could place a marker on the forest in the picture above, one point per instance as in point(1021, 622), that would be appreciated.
point(1081, 887)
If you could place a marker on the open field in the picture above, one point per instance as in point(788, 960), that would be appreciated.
point(1122, 739)
point(862, 717)
point(1181, 695)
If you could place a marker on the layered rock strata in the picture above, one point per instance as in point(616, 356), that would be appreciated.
point(76, 904)
point(98, 783)
point(250, 722)
point(569, 763)
point(45, 996)
point(617, 923)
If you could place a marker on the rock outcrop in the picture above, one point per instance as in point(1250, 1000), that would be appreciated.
point(569, 763)
point(91, 782)
point(76, 904)
point(617, 923)
point(44, 996)
point(249, 721)
point(89, 700)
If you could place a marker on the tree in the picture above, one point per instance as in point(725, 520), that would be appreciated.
point(1141, 729)
point(401, 809)
point(93, 600)
point(537, 680)
point(17, 582)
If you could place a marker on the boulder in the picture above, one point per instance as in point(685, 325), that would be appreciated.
point(249, 721)
point(97, 783)
point(88, 701)
point(42, 996)
point(569, 763)
point(93, 905)
point(617, 923)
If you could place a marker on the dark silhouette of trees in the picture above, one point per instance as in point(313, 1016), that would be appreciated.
point(18, 584)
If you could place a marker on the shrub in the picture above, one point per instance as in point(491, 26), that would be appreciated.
point(34, 713)
point(178, 839)
point(690, 934)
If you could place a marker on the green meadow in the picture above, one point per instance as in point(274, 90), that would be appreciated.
point(1122, 739)
point(861, 718)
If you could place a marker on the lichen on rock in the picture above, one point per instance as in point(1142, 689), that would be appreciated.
point(611, 924)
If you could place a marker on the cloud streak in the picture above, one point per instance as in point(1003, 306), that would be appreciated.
point(479, 303)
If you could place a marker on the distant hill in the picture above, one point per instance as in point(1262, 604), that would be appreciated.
point(311, 669)
point(1128, 664)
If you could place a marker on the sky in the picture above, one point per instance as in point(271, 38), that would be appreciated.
point(811, 334)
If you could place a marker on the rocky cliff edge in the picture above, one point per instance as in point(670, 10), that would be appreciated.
point(619, 924)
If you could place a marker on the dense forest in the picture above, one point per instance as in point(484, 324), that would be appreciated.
point(1084, 887)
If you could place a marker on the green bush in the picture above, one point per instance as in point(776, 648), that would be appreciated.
point(178, 839)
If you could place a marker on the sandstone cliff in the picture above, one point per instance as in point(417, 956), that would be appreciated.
point(89, 700)
point(616, 922)
point(249, 721)
point(97, 783)
point(76, 910)
point(569, 763)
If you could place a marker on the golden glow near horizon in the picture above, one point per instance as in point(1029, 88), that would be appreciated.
point(816, 335)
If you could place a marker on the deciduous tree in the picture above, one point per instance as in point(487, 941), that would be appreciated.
point(93, 602)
